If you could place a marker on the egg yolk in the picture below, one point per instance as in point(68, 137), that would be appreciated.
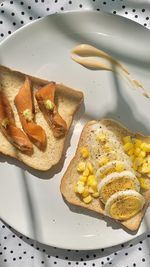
point(125, 208)
point(116, 185)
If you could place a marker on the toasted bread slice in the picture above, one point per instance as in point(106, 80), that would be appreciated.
point(67, 101)
point(116, 132)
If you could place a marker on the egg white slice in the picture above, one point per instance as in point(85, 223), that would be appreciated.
point(120, 196)
point(109, 166)
point(117, 175)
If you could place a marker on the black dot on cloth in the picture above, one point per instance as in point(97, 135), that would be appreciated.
point(104, 3)
point(20, 258)
point(57, 257)
point(13, 14)
point(77, 263)
point(37, 248)
point(131, 245)
point(11, 251)
point(80, 5)
point(126, 254)
point(5, 260)
point(145, 24)
point(19, 244)
point(110, 262)
point(22, 13)
point(102, 249)
point(115, 253)
point(108, 258)
point(84, 263)
point(94, 255)
point(143, 260)
point(48, 256)
point(69, 263)
point(42, 262)
point(93, 264)
point(5, 248)
point(14, 259)
point(143, 10)
point(29, 7)
point(87, 256)
point(136, 16)
point(3, 226)
point(22, 3)
point(14, 23)
point(139, 248)
point(98, 9)
point(114, 12)
point(122, 245)
point(123, 6)
point(47, 9)
point(61, 8)
point(134, 264)
point(81, 259)
point(70, 2)
point(66, 258)
point(22, 22)
point(1, 22)
point(11, 2)
point(13, 236)
point(42, 1)
point(102, 262)
point(21, 236)
point(30, 18)
point(55, 262)
point(32, 257)
point(43, 250)
point(5, 237)
point(31, 245)
point(147, 18)
point(148, 236)
point(1, 253)
point(36, 1)
point(133, 10)
point(126, 12)
point(24, 252)
point(56, 1)
point(2, 11)
point(141, 242)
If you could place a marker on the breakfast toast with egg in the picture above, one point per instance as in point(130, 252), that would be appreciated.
point(109, 173)
point(40, 113)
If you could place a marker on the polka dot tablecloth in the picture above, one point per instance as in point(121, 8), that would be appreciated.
point(17, 250)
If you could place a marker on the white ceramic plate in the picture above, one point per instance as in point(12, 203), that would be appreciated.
point(30, 201)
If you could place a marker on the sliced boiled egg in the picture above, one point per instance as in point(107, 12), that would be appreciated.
point(124, 205)
point(115, 182)
point(112, 166)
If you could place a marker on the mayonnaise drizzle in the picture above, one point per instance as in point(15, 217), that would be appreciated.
point(91, 57)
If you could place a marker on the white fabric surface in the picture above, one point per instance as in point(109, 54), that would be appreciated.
point(17, 250)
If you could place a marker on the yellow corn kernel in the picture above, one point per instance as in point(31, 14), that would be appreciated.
point(90, 167)
point(145, 147)
point(119, 167)
point(84, 152)
point(143, 184)
point(81, 166)
point(137, 151)
point(142, 154)
point(95, 195)
point(138, 161)
point(86, 172)
point(128, 146)
point(146, 168)
point(83, 178)
point(127, 139)
point(87, 199)
point(92, 181)
point(132, 158)
point(130, 152)
point(86, 192)
point(76, 189)
point(137, 142)
point(103, 161)
point(80, 188)
point(101, 138)
point(108, 147)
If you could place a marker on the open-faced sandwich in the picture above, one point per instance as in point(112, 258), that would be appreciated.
point(35, 116)
point(110, 173)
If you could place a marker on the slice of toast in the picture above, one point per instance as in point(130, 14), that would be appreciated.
point(67, 100)
point(87, 139)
